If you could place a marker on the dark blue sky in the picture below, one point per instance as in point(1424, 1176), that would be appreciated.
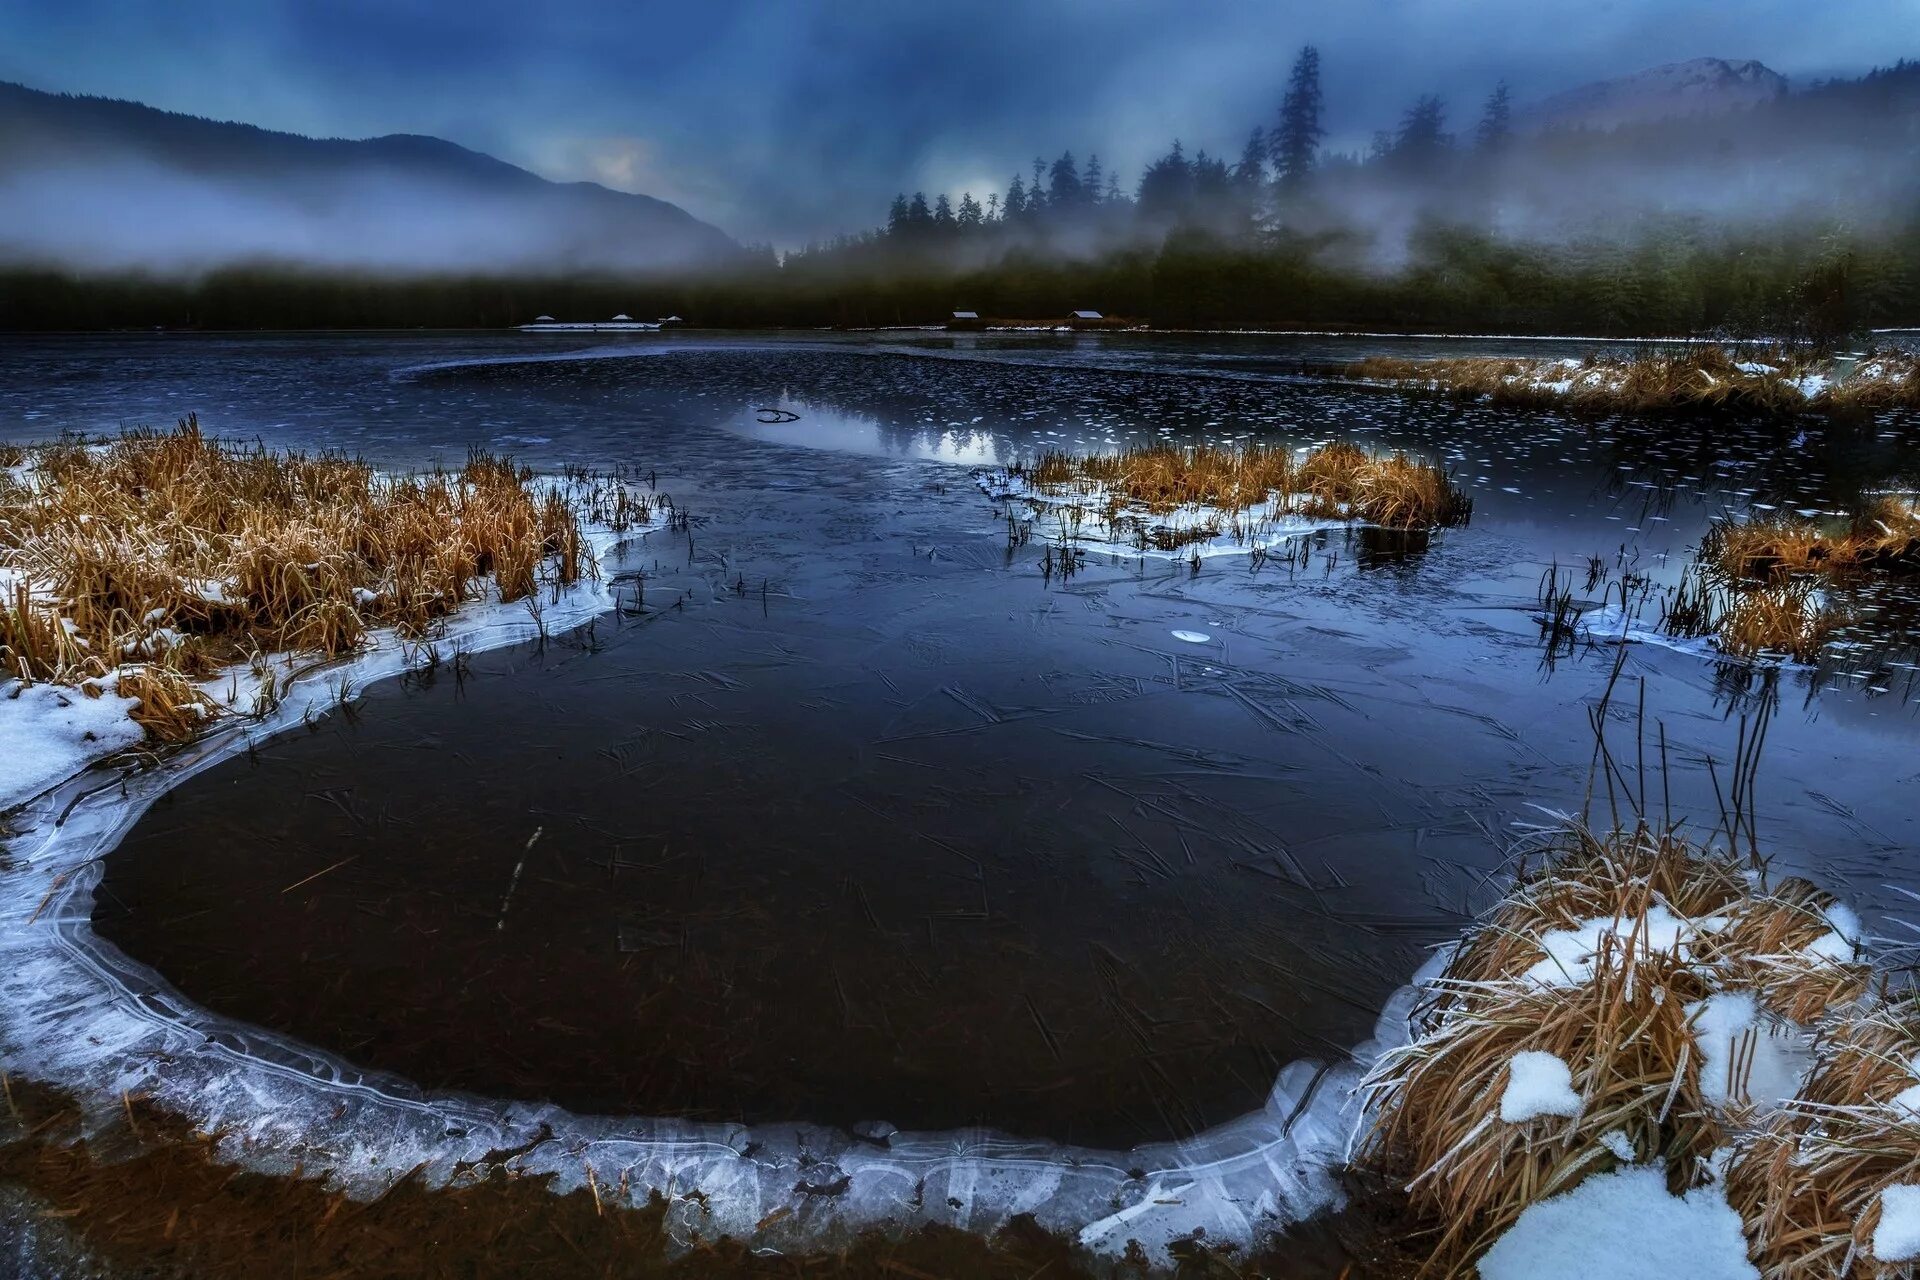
point(781, 120)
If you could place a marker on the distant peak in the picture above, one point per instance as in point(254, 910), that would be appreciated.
point(1696, 87)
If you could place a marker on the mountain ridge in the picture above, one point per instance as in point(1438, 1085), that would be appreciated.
point(335, 197)
point(1694, 87)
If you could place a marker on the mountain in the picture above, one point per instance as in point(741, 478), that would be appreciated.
point(99, 184)
point(1699, 87)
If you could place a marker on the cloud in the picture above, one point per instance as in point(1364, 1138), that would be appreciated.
point(785, 121)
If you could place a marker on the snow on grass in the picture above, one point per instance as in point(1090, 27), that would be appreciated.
point(49, 732)
point(1538, 1084)
point(1193, 531)
point(1897, 1237)
point(1571, 952)
point(1747, 1058)
point(1623, 1226)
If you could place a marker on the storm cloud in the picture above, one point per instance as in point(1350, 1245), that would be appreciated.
point(786, 122)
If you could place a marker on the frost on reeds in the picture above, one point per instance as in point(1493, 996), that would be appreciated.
point(1238, 489)
point(1699, 376)
point(147, 564)
point(1830, 1187)
point(1637, 999)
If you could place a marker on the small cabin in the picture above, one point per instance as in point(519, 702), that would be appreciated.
point(963, 320)
point(623, 318)
point(670, 322)
point(544, 320)
point(966, 315)
point(1086, 315)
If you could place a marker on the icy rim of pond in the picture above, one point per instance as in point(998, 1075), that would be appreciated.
point(78, 1015)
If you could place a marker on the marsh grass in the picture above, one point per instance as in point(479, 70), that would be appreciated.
point(153, 561)
point(1777, 584)
point(1809, 1184)
point(1695, 377)
point(1234, 489)
point(1672, 923)
point(1884, 537)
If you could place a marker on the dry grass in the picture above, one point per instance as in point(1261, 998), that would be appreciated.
point(1334, 481)
point(1884, 538)
point(161, 557)
point(1621, 1021)
point(1764, 586)
point(1794, 619)
point(1883, 380)
point(1809, 1185)
point(1695, 377)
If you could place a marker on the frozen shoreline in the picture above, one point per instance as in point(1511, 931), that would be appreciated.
point(77, 1014)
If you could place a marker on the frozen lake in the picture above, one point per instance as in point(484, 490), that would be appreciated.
point(851, 814)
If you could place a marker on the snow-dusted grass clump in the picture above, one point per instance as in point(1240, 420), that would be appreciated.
point(1697, 376)
point(1830, 1186)
point(1636, 1002)
point(1204, 499)
point(139, 572)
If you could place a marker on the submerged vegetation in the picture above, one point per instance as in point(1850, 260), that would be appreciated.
point(1696, 377)
point(1165, 497)
point(148, 564)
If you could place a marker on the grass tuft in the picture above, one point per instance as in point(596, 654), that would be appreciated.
point(1667, 925)
point(160, 557)
point(1695, 377)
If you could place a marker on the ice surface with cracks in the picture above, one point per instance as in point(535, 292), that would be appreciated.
point(1623, 1226)
point(1538, 1084)
point(79, 1015)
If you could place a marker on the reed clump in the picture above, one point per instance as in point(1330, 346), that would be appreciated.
point(1603, 956)
point(160, 557)
point(1812, 1185)
point(1700, 376)
point(1794, 619)
point(1884, 537)
point(1334, 481)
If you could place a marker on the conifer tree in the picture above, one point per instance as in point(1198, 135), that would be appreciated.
point(1496, 121)
point(1296, 143)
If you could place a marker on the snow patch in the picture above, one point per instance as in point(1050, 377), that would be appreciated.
point(1571, 953)
point(1897, 1237)
point(1538, 1084)
point(49, 732)
point(1623, 1226)
point(1747, 1058)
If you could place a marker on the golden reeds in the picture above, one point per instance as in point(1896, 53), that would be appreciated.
point(1810, 1185)
point(1883, 537)
point(1699, 376)
point(1605, 957)
point(161, 556)
point(1335, 481)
